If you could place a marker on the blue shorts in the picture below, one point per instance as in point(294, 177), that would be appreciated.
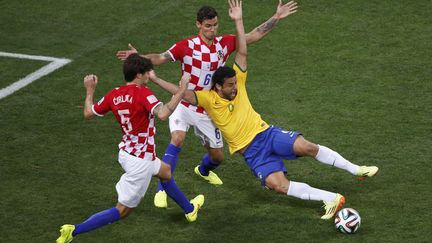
point(266, 152)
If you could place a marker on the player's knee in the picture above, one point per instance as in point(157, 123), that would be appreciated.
point(216, 155)
point(217, 159)
point(177, 140)
point(277, 183)
point(311, 149)
point(165, 172)
point(124, 214)
point(123, 210)
point(281, 189)
point(303, 147)
point(168, 174)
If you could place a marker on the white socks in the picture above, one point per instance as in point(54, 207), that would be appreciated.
point(306, 192)
point(330, 157)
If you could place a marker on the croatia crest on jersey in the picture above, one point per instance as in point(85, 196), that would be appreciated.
point(220, 55)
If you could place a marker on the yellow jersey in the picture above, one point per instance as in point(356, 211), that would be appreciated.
point(237, 120)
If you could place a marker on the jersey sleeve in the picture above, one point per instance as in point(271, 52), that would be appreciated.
point(149, 100)
point(241, 75)
point(102, 106)
point(203, 98)
point(230, 42)
point(177, 51)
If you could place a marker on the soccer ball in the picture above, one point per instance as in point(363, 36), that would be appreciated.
point(347, 220)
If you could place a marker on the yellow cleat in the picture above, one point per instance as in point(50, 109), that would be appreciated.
point(66, 233)
point(333, 206)
point(197, 202)
point(367, 171)
point(212, 178)
point(160, 199)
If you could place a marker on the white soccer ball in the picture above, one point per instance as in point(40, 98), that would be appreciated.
point(347, 220)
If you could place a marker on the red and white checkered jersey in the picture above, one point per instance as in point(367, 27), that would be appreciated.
point(201, 60)
point(133, 107)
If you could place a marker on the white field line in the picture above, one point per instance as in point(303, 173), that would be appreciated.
point(55, 63)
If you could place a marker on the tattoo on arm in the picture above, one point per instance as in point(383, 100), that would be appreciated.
point(267, 26)
point(166, 55)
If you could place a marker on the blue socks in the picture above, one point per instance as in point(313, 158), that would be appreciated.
point(97, 220)
point(174, 192)
point(207, 165)
point(170, 157)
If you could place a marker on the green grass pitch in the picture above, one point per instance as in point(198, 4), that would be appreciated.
point(352, 75)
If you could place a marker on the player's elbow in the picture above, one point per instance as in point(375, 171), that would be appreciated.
point(88, 114)
point(252, 37)
point(159, 60)
point(156, 61)
point(190, 97)
point(242, 52)
point(163, 116)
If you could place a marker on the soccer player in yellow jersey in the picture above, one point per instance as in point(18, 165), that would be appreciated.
point(263, 146)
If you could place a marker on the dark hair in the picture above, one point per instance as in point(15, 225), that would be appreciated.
point(206, 12)
point(221, 75)
point(134, 65)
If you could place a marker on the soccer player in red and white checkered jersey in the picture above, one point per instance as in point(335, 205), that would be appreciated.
point(134, 106)
point(201, 56)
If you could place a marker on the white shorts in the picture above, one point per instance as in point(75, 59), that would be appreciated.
point(133, 184)
point(183, 118)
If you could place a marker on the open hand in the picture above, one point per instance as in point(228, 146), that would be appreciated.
point(235, 9)
point(284, 10)
point(122, 55)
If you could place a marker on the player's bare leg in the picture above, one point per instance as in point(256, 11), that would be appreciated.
point(279, 183)
point(303, 147)
point(123, 210)
point(178, 138)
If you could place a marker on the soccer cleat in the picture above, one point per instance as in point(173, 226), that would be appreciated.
point(197, 202)
point(367, 171)
point(212, 178)
point(333, 206)
point(66, 233)
point(160, 199)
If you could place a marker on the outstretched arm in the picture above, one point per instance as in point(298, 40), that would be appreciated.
point(282, 11)
point(189, 95)
point(156, 59)
point(164, 111)
point(90, 83)
point(170, 87)
point(235, 12)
